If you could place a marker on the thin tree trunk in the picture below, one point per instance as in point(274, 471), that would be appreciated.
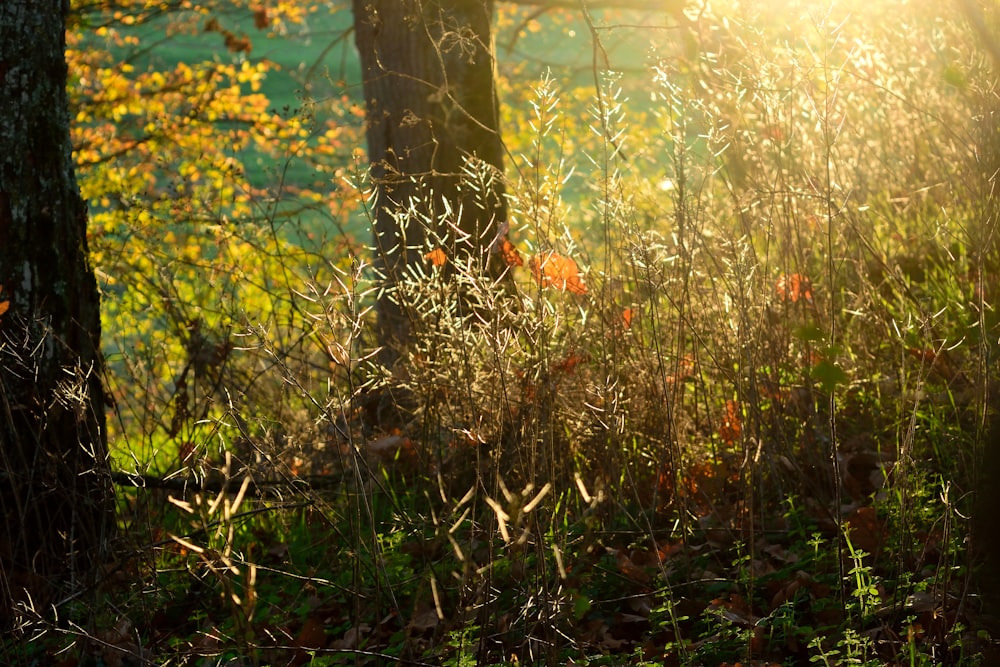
point(431, 105)
point(55, 495)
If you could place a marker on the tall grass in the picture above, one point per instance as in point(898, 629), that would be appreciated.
point(744, 428)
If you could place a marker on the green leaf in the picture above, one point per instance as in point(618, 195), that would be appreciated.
point(829, 375)
point(581, 605)
point(809, 333)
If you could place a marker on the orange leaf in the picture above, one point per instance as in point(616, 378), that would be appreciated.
point(510, 253)
point(732, 424)
point(237, 44)
point(260, 18)
point(553, 270)
point(4, 305)
point(793, 287)
point(569, 364)
point(437, 257)
point(685, 369)
point(627, 316)
point(629, 568)
point(925, 355)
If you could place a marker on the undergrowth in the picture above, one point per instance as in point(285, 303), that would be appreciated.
point(726, 411)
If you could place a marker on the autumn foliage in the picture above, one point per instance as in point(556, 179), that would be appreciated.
point(717, 409)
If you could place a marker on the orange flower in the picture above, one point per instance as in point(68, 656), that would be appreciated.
point(551, 269)
point(437, 257)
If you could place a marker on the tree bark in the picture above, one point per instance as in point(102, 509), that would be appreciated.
point(55, 493)
point(427, 69)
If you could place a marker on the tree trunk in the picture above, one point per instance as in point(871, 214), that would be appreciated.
point(55, 495)
point(427, 70)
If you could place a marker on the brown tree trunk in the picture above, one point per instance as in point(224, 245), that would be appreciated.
point(55, 496)
point(427, 70)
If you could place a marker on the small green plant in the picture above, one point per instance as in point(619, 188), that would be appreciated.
point(865, 590)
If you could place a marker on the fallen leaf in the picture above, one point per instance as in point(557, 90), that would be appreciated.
point(312, 635)
point(278, 551)
point(629, 568)
point(352, 638)
point(866, 529)
point(569, 364)
point(387, 446)
point(423, 621)
point(732, 424)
